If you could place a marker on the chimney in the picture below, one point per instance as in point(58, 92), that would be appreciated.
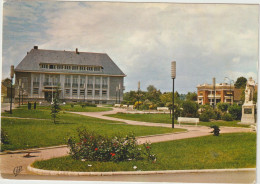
point(77, 52)
point(35, 47)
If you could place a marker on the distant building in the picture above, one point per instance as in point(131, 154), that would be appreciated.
point(79, 76)
point(223, 93)
point(5, 90)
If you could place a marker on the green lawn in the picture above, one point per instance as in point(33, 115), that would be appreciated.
point(165, 118)
point(236, 150)
point(25, 133)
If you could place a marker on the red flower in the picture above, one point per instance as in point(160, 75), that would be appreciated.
point(113, 154)
point(147, 147)
point(79, 143)
point(96, 149)
point(85, 140)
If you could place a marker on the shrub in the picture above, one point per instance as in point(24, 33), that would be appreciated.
point(217, 114)
point(235, 111)
point(227, 117)
point(72, 105)
point(223, 106)
point(95, 147)
point(4, 137)
point(216, 130)
point(204, 117)
point(190, 109)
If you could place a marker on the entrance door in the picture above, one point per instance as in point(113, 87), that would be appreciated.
point(47, 96)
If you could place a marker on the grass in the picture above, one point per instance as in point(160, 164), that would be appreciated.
point(236, 150)
point(29, 133)
point(165, 118)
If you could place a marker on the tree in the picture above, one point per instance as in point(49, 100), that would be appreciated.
point(192, 96)
point(55, 106)
point(241, 82)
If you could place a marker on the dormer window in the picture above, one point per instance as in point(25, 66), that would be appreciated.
point(52, 66)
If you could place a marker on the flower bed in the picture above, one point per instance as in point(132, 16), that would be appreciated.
point(94, 147)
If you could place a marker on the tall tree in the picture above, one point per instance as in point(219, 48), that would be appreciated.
point(55, 106)
point(241, 82)
point(191, 96)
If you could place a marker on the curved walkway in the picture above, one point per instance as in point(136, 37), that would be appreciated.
point(10, 161)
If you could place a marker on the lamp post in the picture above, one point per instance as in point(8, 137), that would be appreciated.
point(214, 89)
point(22, 92)
point(230, 93)
point(138, 92)
point(116, 94)
point(11, 76)
point(119, 89)
point(173, 75)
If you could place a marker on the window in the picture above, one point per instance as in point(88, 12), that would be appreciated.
point(82, 81)
point(59, 66)
point(104, 92)
point(67, 91)
point(67, 67)
point(75, 81)
point(44, 66)
point(104, 82)
point(82, 68)
point(97, 82)
point(52, 66)
point(74, 67)
point(96, 68)
point(35, 91)
point(74, 92)
point(82, 92)
point(89, 92)
point(97, 92)
point(90, 68)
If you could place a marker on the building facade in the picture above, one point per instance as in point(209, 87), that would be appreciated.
point(77, 76)
point(223, 92)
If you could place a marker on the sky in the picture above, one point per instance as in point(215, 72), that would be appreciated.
point(205, 40)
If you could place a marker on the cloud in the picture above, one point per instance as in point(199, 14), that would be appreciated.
point(206, 40)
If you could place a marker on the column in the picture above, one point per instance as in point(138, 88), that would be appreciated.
point(71, 81)
point(108, 88)
point(62, 85)
point(31, 95)
point(78, 86)
point(101, 87)
point(93, 90)
point(86, 87)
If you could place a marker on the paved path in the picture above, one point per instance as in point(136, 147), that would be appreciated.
point(10, 161)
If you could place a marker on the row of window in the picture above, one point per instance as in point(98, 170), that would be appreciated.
point(82, 92)
point(71, 67)
point(75, 92)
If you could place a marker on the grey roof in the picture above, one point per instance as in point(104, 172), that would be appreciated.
point(32, 61)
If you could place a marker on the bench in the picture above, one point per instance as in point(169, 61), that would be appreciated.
point(131, 107)
point(188, 120)
point(162, 108)
point(117, 105)
point(124, 106)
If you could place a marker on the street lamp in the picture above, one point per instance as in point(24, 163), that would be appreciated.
point(11, 76)
point(230, 81)
point(116, 94)
point(138, 97)
point(173, 75)
point(19, 89)
point(119, 88)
